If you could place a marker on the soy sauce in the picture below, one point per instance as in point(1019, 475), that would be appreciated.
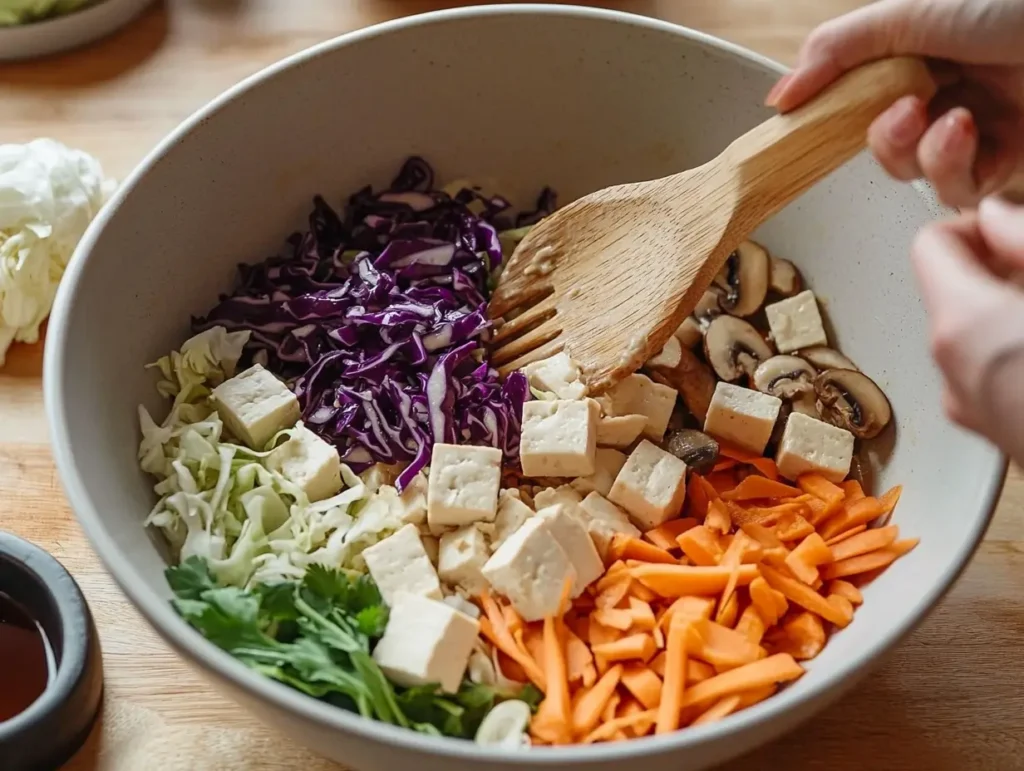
point(25, 659)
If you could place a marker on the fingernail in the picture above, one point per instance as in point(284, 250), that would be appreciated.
point(905, 127)
point(959, 126)
point(997, 206)
point(777, 89)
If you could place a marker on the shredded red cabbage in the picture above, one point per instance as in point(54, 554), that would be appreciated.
point(375, 321)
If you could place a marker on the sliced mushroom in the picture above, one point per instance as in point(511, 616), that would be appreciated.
point(791, 379)
point(784, 278)
point(707, 308)
point(734, 348)
point(743, 282)
point(823, 358)
point(851, 400)
point(695, 448)
point(691, 378)
point(689, 333)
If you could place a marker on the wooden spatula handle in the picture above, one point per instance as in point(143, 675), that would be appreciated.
point(787, 154)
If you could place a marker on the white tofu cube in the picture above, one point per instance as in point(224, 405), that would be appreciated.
point(608, 463)
point(426, 641)
point(558, 438)
point(399, 563)
point(669, 356)
point(651, 486)
point(556, 374)
point(604, 519)
point(742, 417)
point(810, 445)
point(531, 569)
point(463, 485)
point(795, 323)
point(255, 405)
point(432, 546)
point(639, 395)
point(620, 431)
point(462, 605)
point(309, 462)
point(462, 554)
point(413, 500)
point(512, 513)
point(553, 496)
point(569, 529)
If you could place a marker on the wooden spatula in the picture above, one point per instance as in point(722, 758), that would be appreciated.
point(609, 277)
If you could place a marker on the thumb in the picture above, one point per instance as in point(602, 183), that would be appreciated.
point(1002, 226)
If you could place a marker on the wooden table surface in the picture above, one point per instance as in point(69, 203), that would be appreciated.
point(950, 699)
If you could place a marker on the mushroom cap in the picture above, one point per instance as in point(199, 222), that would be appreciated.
point(743, 282)
point(695, 448)
point(734, 348)
point(850, 399)
point(787, 377)
point(708, 306)
point(822, 357)
point(784, 278)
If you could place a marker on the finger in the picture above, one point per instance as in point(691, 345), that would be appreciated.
point(837, 46)
point(946, 155)
point(1001, 225)
point(894, 135)
point(956, 411)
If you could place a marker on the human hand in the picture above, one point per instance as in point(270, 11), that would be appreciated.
point(969, 140)
point(967, 268)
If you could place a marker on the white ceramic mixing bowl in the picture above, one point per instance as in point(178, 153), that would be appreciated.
point(523, 96)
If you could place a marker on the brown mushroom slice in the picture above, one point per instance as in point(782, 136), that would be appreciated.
point(743, 282)
point(734, 348)
point(791, 379)
point(689, 333)
point(783, 278)
point(851, 400)
point(691, 378)
point(695, 448)
point(822, 358)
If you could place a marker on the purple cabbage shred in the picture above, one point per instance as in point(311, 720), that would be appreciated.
point(375, 320)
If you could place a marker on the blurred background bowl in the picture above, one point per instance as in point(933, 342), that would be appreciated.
point(60, 33)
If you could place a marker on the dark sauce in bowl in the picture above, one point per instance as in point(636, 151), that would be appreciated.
point(25, 659)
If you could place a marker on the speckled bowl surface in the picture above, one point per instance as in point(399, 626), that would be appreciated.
point(517, 96)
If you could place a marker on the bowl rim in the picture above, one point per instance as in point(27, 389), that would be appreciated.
point(193, 646)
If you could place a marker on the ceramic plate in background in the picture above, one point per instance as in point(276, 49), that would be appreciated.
point(41, 38)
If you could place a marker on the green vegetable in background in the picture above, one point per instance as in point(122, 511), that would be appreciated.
point(26, 11)
point(316, 636)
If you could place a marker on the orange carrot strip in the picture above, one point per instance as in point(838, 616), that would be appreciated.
point(819, 487)
point(493, 628)
point(677, 580)
point(720, 646)
point(696, 498)
point(629, 547)
point(553, 721)
point(674, 684)
point(848, 534)
point(889, 501)
point(642, 615)
point(724, 464)
point(870, 561)
point(644, 684)
point(664, 536)
point(870, 540)
point(720, 709)
point(611, 709)
point(861, 512)
point(755, 695)
point(701, 545)
point(766, 466)
point(803, 636)
point(779, 668)
point(750, 625)
point(842, 605)
point(721, 481)
point(612, 575)
point(687, 608)
point(657, 664)
point(852, 490)
point(579, 660)
point(641, 592)
point(636, 646)
point(607, 731)
point(729, 612)
point(718, 517)
point(756, 487)
point(763, 535)
point(805, 558)
point(762, 596)
point(615, 618)
point(731, 559)
point(630, 706)
point(847, 590)
point(792, 527)
point(600, 634)
point(698, 671)
point(614, 593)
point(592, 702)
point(803, 595)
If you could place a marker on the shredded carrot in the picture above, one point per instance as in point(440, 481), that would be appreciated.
point(852, 490)
point(805, 558)
point(697, 498)
point(642, 615)
point(720, 646)
point(803, 595)
point(600, 634)
point(591, 703)
point(674, 686)
point(750, 625)
point(755, 487)
point(629, 547)
point(579, 660)
point(765, 600)
point(819, 487)
point(721, 481)
point(553, 721)
point(879, 558)
point(630, 706)
point(664, 536)
point(792, 527)
point(729, 613)
point(889, 501)
point(643, 683)
point(611, 709)
point(688, 608)
point(698, 671)
point(861, 512)
point(718, 517)
point(780, 668)
point(755, 695)
point(803, 636)
point(657, 664)
point(677, 580)
point(848, 534)
point(614, 593)
point(842, 606)
point(701, 545)
point(847, 590)
point(724, 464)
point(636, 646)
point(608, 730)
point(616, 618)
point(720, 709)
point(765, 466)
point(493, 628)
point(869, 540)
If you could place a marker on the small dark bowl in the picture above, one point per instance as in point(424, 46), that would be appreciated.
point(53, 727)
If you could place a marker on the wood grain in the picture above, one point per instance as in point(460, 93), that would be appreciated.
point(948, 699)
